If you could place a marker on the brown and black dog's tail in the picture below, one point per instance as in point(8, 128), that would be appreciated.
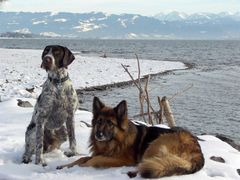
point(165, 158)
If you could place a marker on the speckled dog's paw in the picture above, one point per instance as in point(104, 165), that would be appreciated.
point(70, 153)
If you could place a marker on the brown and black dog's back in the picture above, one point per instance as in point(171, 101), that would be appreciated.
point(116, 141)
point(169, 152)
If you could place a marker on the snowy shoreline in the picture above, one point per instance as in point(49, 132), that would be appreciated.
point(20, 69)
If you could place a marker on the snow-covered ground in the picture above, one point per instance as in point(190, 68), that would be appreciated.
point(13, 123)
point(20, 69)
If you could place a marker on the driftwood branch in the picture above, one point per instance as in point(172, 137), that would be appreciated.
point(165, 109)
point(87, 124)
point(143, 93)
point(168, 112)
point(160, 113)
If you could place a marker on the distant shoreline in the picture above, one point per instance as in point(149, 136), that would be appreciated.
point(127, 83)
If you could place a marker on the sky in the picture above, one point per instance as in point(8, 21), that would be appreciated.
point(143, 7)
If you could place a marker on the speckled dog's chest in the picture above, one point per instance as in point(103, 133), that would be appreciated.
point(61, 108)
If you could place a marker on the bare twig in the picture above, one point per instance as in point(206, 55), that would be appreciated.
point(160, 113)
point(134, 81)
point(148, 101)
point(144, 114)
point(139, 69)
point(141, 101)
point(180, 93)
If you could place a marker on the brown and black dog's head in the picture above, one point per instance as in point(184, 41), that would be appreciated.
point(108, 123)
point(55, 57)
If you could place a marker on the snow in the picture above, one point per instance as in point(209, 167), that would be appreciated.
point(24, 65)
point(39, 22)
point(60, 20)
point(134, 19)
point(86, 26)
point(20, 69)
point(50, 34)
point(123, 22)
point(23, 31)
point(13, 123)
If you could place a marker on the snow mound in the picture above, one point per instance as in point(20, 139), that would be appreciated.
point(13, 123)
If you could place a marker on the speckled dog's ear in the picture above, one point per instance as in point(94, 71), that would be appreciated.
point(68, 57)
point(45, 51)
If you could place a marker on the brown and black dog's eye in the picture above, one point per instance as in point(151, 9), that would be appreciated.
point(99, 122)
point(110, 123)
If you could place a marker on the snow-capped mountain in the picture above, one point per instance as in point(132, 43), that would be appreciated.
point(172, 16)
point(174, 25)
point(181, 16)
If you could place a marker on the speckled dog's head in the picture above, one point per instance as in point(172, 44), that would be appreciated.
point(55, 57)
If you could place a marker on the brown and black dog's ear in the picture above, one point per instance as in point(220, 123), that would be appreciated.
point(97, 105)
point(68, 57)
point(122, 113)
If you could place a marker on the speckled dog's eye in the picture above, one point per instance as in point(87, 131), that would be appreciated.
point(57, 52)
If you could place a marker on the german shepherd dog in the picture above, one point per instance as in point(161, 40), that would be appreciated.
point(116, 141)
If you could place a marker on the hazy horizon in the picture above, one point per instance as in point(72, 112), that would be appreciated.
point(142, 7)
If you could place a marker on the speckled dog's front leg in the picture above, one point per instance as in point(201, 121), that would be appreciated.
point(45, 103)
point(71, 135)
point(39, 141)
point(30, 137)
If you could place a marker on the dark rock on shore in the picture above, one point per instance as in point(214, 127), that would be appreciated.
point(218, 159)
point(229, 141)
point(24, 104)
point(238, 171)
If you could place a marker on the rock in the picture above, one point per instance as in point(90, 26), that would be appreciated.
point(229, 141)
point(104, 55)
point(218, 159)
point(22, 103)
point(31, 90)
point(132, 174)
point(238, 171)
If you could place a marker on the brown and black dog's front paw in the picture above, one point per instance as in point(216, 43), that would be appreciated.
point(132, 174)
point(59, 167)
point(79, 162)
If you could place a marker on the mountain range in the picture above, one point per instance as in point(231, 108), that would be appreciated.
point(173, 25)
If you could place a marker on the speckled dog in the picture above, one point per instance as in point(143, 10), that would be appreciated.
point(53, 117)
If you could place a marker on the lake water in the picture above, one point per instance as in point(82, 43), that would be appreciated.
point(211, 106)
